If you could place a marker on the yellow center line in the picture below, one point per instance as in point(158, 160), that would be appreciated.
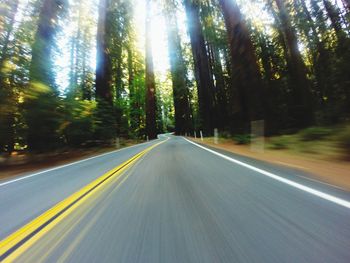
point(18, 242)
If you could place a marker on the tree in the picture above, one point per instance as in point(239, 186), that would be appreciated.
point(7, 98)
point(105, 119)
point(103, 64)
point(41, 102)
point(301, 111)
point(151, 105)
point(216, 42)
point(342, 64)
point(201, 66)
point(178, 72)
point(245, 72)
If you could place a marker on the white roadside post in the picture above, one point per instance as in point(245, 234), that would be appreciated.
point(195, 134)
point(201, 133)
point(117, 143)
point(147, 138)
point(257, 143)
point(216, 136)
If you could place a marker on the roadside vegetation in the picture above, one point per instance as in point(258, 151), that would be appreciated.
point(332, 142)
point(319, 141)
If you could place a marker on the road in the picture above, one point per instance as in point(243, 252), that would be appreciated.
point(178, 202)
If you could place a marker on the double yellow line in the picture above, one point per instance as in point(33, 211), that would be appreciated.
point(18, 242)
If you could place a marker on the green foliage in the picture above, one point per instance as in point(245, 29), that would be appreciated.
point(78, 128)
point(225, 134)
point(242, 138)
point(315, 133)
point(343, 140)
point(105, 123)
point(43, 115)
point(279, 143)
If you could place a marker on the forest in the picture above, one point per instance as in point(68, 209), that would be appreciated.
point(286, 62)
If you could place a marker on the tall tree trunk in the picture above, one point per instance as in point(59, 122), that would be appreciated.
point(178, 73)
point(320, 61)
point(151, 105)
point(72, 68)
point(41, 101)
point(120, 35)
point(103, 64)
point(301, 108)
point(106, 128)
point(77, 57)
point(8, 31)
point(201, 64)
point(134, 108)
point(86, 88)
point(7, 118)
point(220, 91)
point(245, 71)
point(343, 56)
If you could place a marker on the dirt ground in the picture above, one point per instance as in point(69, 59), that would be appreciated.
point(334, 172)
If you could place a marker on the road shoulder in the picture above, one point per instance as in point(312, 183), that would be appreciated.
point(328, 172)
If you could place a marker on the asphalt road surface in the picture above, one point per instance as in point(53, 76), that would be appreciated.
point(178, 203)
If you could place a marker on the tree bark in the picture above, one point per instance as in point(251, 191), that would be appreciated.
point(201, 64)
point(220, 91)
point(11, 18)
point(151, 106)
point(301, 102)
point(103, 64)
point(41, 101)
point(245, 71)
point(7, 117)
point(178, 73)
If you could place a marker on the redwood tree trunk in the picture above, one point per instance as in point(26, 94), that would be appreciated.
point(8, 31)
point(41, 104)
point(7, 116)
point(245, 71)
point(103, 64)
point(151, 125)
point(178, 74)
point(301, 102)
point(201, 64)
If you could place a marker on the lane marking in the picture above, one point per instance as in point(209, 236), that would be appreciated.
point(299, 186)
point(77, 239)
point(69, 164)
point(15, 244)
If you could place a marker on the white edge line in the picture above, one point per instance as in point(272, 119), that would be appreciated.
point(66, 165)
point(304, 188)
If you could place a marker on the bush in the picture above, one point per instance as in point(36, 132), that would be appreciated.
point(78, 127)
point(279, 143)
point(225, 134)
point(315, 133)
point(343, 140)
point(242, 138)
point(105, 122)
